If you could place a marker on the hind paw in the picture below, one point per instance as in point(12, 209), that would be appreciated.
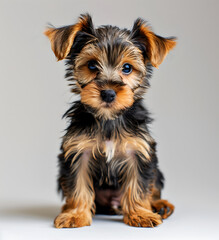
point(162, 207)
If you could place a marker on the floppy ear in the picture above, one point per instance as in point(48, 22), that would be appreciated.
point(156, 47)
point(62, 38)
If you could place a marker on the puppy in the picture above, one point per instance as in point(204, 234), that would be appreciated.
point(108, 159)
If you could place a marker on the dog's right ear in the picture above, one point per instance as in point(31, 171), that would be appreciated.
point(62, 38)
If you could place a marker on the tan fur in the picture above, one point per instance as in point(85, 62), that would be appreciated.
point(136, 205)
point(62, 38)
point(142, 218)
point(77, 211)
point(82, 199)
point(90, 95)
point(155, 192)
point(96, 144)
point(72, 219)
point(125, 96)
point(157, 47)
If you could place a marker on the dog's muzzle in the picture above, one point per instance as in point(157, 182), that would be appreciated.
point(108, 95)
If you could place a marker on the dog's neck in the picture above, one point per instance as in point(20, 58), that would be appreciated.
point(83, 121)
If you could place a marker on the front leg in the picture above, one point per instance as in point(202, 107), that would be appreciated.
point(77, 186)
point(136, 176)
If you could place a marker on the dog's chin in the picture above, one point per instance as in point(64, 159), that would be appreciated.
point(107, 105)
point(105, 111)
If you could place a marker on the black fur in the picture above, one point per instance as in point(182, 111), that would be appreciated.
point(134, 120)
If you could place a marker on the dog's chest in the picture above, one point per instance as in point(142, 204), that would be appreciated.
point(114, 150)
point(109, 150)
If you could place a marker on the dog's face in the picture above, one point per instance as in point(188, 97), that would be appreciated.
point(108, 67)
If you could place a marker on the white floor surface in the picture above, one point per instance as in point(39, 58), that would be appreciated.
point(35, 221)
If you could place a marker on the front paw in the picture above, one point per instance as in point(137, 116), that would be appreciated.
point(72, 220)
point(142, 219)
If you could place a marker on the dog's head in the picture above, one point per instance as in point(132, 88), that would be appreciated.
point(109, 67)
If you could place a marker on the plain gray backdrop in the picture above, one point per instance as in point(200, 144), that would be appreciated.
point(183, 100)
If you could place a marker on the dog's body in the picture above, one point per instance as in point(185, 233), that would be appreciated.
point(108, 158)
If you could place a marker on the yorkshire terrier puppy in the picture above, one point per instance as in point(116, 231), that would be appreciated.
point(108, 160)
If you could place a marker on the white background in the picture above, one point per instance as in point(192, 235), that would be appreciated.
point(183, 100)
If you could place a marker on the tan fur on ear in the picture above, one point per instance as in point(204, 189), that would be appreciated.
point(62, 38)
point(157, 47)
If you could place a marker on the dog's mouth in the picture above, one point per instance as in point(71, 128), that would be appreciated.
point(107, 105)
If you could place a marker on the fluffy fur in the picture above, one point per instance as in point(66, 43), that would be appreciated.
point(107, 145)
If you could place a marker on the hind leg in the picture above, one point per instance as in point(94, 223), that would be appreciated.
point(160, 206)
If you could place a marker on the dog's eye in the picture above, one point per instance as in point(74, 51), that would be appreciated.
point(92, 65)
point(127, 68)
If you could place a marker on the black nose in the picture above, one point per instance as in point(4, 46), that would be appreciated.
point(108, 95)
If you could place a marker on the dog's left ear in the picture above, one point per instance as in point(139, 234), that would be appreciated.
point(155, 47)
point(62, 38)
